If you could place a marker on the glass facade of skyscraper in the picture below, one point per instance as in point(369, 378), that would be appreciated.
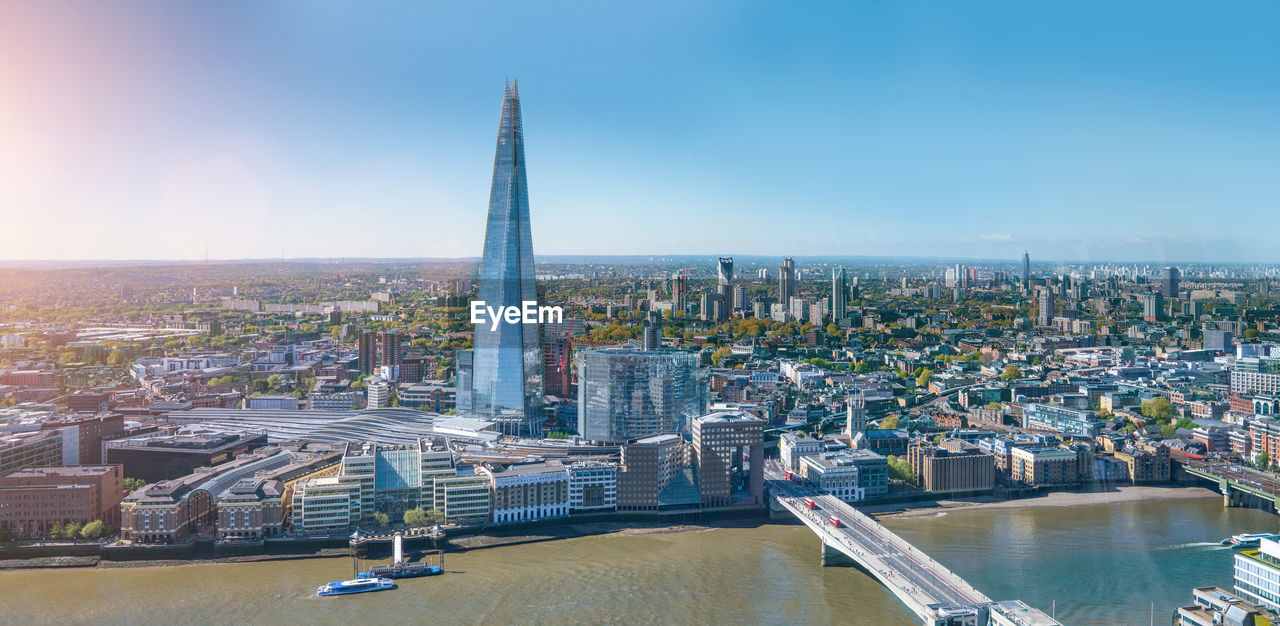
point(506, 366)
point(625, 394)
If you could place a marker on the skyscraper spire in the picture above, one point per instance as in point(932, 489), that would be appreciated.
point(506, 364)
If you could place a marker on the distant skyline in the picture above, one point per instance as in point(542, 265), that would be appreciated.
point(1087, 131)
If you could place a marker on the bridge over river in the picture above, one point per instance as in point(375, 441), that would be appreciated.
point(935, 594)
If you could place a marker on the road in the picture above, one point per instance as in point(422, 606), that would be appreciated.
point(895, 562)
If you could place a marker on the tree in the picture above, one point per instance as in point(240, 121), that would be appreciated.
point(94, 530)
point(72, 530)
point(435, 515)
point(1158, 409)
point(889, 423)
point(58, 530)
point(1011, 372)
point(133, 484)
point(1263, 461)
point(1185, 423)
point(117, 357)
point(415, 517)
point(1168, 430)
point(900, 469)
point(381, 519)
point(862, 367)
point(719, 356)
point(923, 378)
point(833, 330)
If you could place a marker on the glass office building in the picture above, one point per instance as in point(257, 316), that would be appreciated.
point(625, 394)
point(506, 363)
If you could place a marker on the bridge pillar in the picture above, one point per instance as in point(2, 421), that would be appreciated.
point(832, 557)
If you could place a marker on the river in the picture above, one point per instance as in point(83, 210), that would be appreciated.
point(1102, 564)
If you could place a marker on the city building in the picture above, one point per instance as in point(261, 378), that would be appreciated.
point(463, 498)
point(628, 394)
point(396, 478)
point(288, 403)
point(528, 491)
point(321, 505)
point(41, 448)
point(367, 352)
point(850, 475)
point(952, 466)
point(168, 457)
point(649, 466)
point(1214, 606)
point(1044, 466)
point(787, 281)
point(839, 295)
point(505, 378)
point(33, 499)
point(1060, 419)
point(253, 508)
point(728, 458)
point(1257, 574)
point(593, 486)
point(377, 392)
point(1170, 283)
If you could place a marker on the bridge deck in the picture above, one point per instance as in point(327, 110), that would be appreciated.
point(917, 580)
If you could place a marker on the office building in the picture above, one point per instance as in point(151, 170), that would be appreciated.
point(850, 475)
point(593, 486)
point(169, 457)
point(1214, 606)
point(326, 504)
point(396, 478)
point(626, 394)
point(1218, 340)
point(43, 448)
point(1169, 285)
point(557, 350)
point(287, 403)
point(1044, 466)
point(377, 392)
point(1257, 574)
point(728, 458)
point(529, 491)
point(649, 467)
point(32, 500)
point(1060, 419)
point(464, 498)
point(952, 466)
point(506, 363)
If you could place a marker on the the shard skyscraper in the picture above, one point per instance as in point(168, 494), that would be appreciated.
point(506, 362)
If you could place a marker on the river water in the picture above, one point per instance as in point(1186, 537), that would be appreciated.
point(1102, 564)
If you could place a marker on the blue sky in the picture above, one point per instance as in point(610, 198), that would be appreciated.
point(1078, 130)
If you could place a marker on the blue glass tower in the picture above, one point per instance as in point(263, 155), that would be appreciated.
point(506, 374)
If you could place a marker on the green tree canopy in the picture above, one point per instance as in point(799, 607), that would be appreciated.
point(889, 423)
point(1159, 409)
point(416, 517)
point(94, 530)
point(1011, 372)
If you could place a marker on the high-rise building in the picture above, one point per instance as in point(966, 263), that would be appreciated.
point(680, 292)
point(1171, 278)
point(839, 291)
point(724, 281)
point(506, 367)
point(1044, 307)
point(787, 280)
point(653, 332)
point(368, 352)
point(389, 342)
point(625, 394)
point(557, 350)
point(1152, 305)
point(1026, 271)
point(728, 458)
